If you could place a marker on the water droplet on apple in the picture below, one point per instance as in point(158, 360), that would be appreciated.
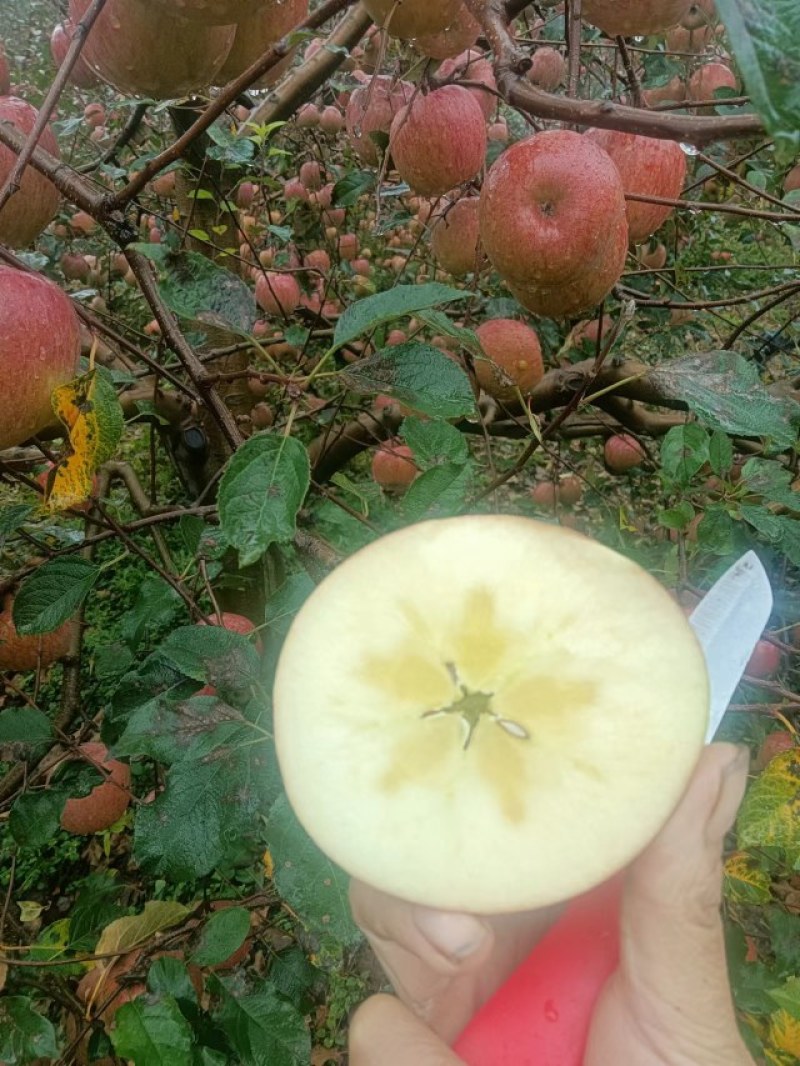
point(550, 1012)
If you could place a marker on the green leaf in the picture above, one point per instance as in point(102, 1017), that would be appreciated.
point(387, 306)
point(260, 493)
point(25, 725)
point(171, 733)
point(717, 531)
point(767, 478)
point(224, 932)
point(53, 593)
point(293, 976)
point(784, 930)
point(281, 609)
point(720, 453)
point(199, 291)
point(262, 1027)
point(307, 880)
point(417, 375)
point(780, 530)
point(24, 1034)
point(434, 443)
point(765, 39)
point(156, 604)
point(768, 815)
point(440, 323)
point(725, 392)
point(12, 517)
point(169, 977)
point(35, 818)
point(348, 190)
point(788, 997)
point(440, 491)
point(677, 517)
point(152, 1034)
point(684, 450)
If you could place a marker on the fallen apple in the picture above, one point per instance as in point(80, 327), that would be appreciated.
point(499, 736)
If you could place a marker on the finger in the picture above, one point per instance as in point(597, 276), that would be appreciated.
point(383, 1032)
point(673, 964)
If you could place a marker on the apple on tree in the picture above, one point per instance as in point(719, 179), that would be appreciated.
point(414, 18)
point(634, 18)
point(516, 729)
point(25, 215)
point(5, 74)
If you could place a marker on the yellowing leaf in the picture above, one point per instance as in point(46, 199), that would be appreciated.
point(784, 1033)
point(90, 410)
point(29, 910)
point(770, 814)
point(126, 933)
point(269, 864)
point(745, 881)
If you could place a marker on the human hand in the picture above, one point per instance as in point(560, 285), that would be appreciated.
point(669, 1002)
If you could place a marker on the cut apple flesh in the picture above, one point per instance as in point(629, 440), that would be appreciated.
point(488, 713)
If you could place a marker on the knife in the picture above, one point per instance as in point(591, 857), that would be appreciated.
point(541, 1016)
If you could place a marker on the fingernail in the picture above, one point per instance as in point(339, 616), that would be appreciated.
point(456, 935)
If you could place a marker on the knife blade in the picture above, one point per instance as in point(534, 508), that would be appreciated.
point(541, 1016)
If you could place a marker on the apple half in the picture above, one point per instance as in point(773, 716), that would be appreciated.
point(488, 713)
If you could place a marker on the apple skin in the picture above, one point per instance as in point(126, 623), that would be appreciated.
point(649, 167)
point(5, 74)
point(277, 294)
point(547, 68)
point(623, 452)
point(682, 39)
point(414, 18)
point(455, 237)
point(82, 74)
point(461, 34)
point(256, 34)
point(515, 348)
point(701, 13)
point(553, 222)
point(774, 744)
point(673, 92)
point(707, 79)
point(634, 18)
point(40, 345)
point(18, 653)
point(142, 50)
point(393, 466)
point(439, 140)
point(473, 66)
point(211, 12)
point(106, 803)
point(653, 258)
point(765, 660)
point(792, 179)
point(31, 209)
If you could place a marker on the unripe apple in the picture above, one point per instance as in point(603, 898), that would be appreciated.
point(245, 194)
point(308, 116)
point(362, 267)
point(545, 494)
point(331, 120)
point(74, 266)
point(396, 336)
point(455, 237)
point(163, 185)
point(462, 33)
point(348, 246)
point(653, 258)
point(262, 416)
point(393, 466)
point(634, 18)
point(318, 259)
point(277, 294)
point(473, 66)
point(19, 653)
point(498, 131)
point(334, 216)
point(705, 81)
point(371, 109)
point(548, 67)
point(311, 174)
point(553, 222)
point(514, 358)
point(138, 55)
point(774, 744)
point(477, 730)
point(27, 213)
point(40, 343)
point(765, 660)
point(413, 18)
point(106, 803)
point(82, 224)
point(622, 452)
point(439, 140)
point(94, 115)
point(82, 74)
point(570, 490)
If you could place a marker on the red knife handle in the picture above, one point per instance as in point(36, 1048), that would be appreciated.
point(542, 1014)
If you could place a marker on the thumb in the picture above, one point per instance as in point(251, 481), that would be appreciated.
point(384, 1032)
point(673, 967)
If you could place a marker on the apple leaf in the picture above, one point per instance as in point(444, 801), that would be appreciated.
point(129, 932)
point(25, 725)
point(768, 816)
point(199, 291)
point(152, 1034)
point(25, 1034)
point(440, 491)
point(417, 375)
point(307, 880)
point(53, 593)
point(260, 493)
point(765, 39)
point(765, 477)
point(434, 443)
point(35, 816)
point(169, 977)
point(720, 453)
point(745, 880)
point(684, 450)
point(725, 392)
point(224, 932)
point(12, 517)
point(373, 311)
point(779, 530)
point(263, 1028)
point(351, 187)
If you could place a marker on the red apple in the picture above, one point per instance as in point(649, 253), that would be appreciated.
point(147, 51)
point(370, 111)
point(256, 33)
point(701, 13)
point(439, 140)
point(462, 33)
point(308, 116)
point(653, 258)
point(311, 174)
point(5, 75)
point(277, 294)
point(106, 803)
point(547, 69)
point(211, 12)
point(473, 66)
point(765, 660)
point(774, 744)
point(553, 222)
point(262, 416)
point(455, 237)
point(74, 266)
point(545, 494)
point(393, 466)
point(681, 39)
point(705, 81)
point(414, 18)
point(634, 18)
point(649, 167)
point(672, 92)
point(61, 38)
point(792, 179)
point(623, 452)
point(235, 623)
point(40, 344)
point(331, 120)
point(18, 653)
point(30, 209)
point(514, 358)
